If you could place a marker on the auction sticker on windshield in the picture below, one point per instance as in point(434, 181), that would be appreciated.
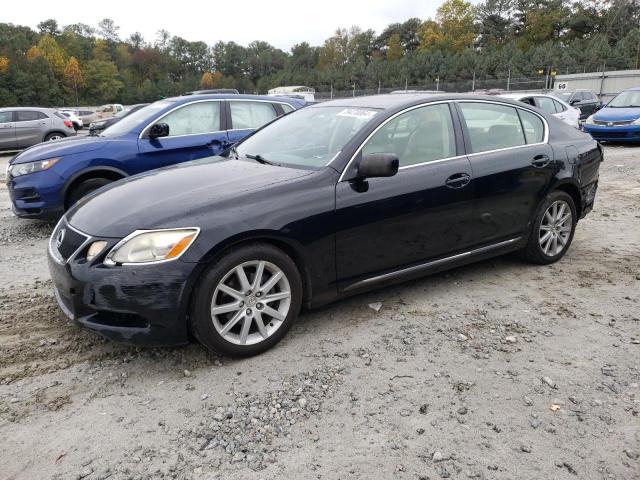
point(357, 113)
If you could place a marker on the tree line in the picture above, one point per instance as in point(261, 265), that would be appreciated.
point(81, 64)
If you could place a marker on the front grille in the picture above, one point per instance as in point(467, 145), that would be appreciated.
point(65, 240)
point(613, 124)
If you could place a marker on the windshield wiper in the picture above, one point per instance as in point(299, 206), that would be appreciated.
point(261, 159)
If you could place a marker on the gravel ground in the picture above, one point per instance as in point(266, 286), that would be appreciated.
point(498, 370)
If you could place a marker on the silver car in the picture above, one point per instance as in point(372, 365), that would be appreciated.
point(21, 127)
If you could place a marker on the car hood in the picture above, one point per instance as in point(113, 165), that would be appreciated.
point(59, 148)
point(173, 196)
point(609, 114)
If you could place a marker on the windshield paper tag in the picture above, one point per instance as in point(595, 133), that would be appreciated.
point(356, 113)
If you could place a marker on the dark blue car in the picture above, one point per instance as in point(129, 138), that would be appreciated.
point(619, 120)
point(45, 180)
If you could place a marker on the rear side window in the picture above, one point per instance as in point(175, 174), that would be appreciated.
point(491, 126)
point(287, 108)
point(420, 135)
point(251, 114)
point(546, 105)
point(63, 116)
point(193, 119)
point(6, 117)
point(29, 115)
point(533, 126)
point(559, 107)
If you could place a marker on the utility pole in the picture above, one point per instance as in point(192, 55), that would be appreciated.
point(438, 83)
point(354, 89)
point(331, 90)
point(509, 79)
point(473, 82)
point(406, 83)
point(378, 86)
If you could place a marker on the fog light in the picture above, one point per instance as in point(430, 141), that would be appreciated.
point(94, 249)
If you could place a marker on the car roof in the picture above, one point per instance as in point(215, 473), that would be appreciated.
point(235, 96)
point(43, 109)
point(632, 89)
point(391, 101)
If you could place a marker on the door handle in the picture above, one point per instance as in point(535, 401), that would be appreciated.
point(540, 161)
point(458, 180)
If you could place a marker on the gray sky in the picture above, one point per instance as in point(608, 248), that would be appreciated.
point(282, 23)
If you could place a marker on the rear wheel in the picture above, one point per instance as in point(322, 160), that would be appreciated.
point(552, 230)
point(246, 301)
point(54, 136)
point(84, 188)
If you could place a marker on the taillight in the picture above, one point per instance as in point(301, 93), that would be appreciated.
point(68, 123)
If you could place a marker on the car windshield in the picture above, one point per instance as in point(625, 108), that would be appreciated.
point(131, 121)
point(562, 95)
point(626, 99)
point(309, 137)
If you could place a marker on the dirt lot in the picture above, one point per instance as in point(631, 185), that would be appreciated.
point(499, 370)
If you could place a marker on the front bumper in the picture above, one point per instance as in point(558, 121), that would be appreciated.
point(36, 195)
point(623, 133)
point(145, 305)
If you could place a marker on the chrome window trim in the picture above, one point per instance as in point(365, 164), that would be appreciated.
point(426, 265)
point(108, 262)
point(413, 107)
point(182, 105)
point(259, 100)
point(52, 252)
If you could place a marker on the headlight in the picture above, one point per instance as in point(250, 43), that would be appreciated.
point(18, 169)
point(94, 249)
point(589, 121)
point(145, 246)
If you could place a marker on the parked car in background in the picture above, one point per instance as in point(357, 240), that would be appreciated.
point(77, 121)
point(585, 100)
point(214, 91)
point(550, 105)
point(99, 125)
point(46, 180)
point(301, 92)
point(108, 111)
point(21, 127)
point(619, 120)
point(86, 115)
point(333, 199)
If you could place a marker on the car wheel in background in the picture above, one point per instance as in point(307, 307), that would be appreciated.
point(552, 230)
point(246, 300)
point(84, 188)
point(54, 136)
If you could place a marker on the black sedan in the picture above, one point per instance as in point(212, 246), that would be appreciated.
point(98, 126)
point(330, 200)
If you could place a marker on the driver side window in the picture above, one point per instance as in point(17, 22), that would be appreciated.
point(421, 135)
point(193, 119)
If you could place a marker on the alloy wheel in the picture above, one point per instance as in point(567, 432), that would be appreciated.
point(555, 228)
point(55, 137)
point(251, 302)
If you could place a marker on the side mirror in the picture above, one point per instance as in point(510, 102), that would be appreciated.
point(159, 130)
point(378, 165)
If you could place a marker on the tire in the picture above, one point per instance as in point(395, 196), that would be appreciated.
point(54, 136)
point(234, 329)
point(548, 224)
point(84, 188)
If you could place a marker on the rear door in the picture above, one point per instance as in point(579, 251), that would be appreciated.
point(196, 130)
point(512, 166)
point(247, 115)
point(421, 213)
point(31, 127)
point(7, 131)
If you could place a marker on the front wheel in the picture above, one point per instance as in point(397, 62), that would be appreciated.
point(552, 230)
point(54, 136)
point(85, 188)
point(246, 301)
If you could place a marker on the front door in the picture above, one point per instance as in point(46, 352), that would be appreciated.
point(7, 131)
point(195, 131)
point(421, 213)
point(512, 167)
